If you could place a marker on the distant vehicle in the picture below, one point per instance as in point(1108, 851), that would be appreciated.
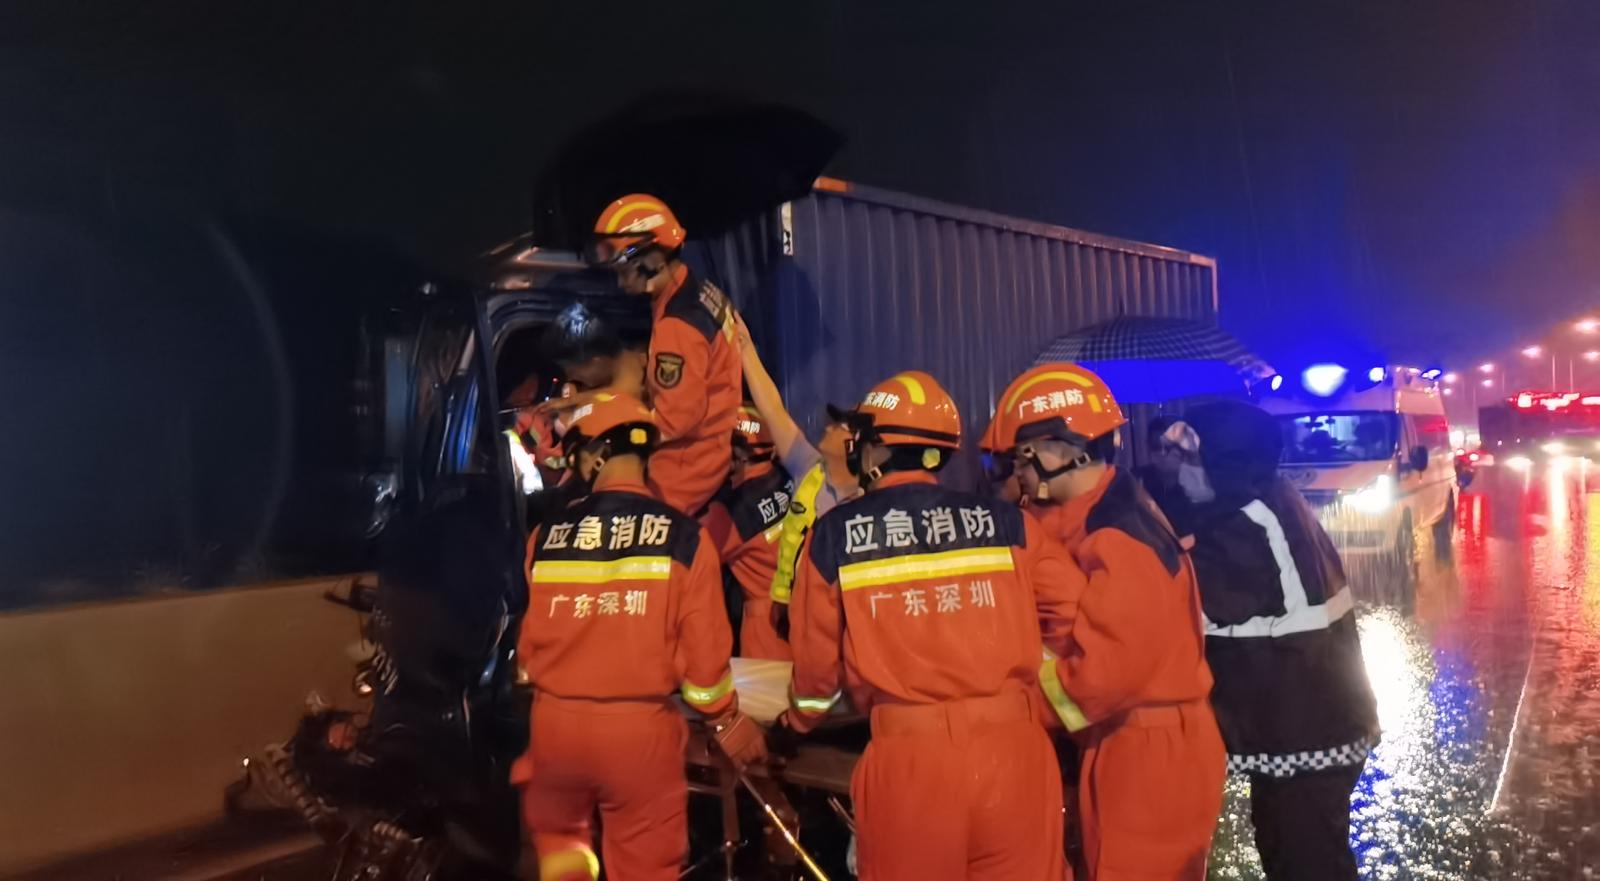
point(1540, 429)
point(1467, 462)
point(1371, 451)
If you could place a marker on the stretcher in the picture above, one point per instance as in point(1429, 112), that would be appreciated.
point(820, 766)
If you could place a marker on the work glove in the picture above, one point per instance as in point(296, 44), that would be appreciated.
point(739, 738)
point(779, 616)
point(782, 738)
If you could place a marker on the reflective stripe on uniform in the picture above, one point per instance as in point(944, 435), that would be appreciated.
point(701, 697)
point(773, 532)
point(1066, 710)
point(815, 705)
point(794, 526)
point(916, 567)
point(570, 864)
point(600, 571)
point(1299, 613)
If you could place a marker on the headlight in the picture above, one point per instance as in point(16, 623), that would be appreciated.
point(1554, 448)
point(1519, 463)
point(1374, 498)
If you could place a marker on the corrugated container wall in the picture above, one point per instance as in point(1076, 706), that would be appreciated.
point(842, 289)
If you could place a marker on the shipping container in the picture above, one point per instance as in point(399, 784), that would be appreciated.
point(852, 284)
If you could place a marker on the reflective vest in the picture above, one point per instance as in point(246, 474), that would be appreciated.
point(795, 525)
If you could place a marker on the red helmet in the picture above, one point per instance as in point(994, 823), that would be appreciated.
point(1059, 401)
point(632, 225)
point(620, 420)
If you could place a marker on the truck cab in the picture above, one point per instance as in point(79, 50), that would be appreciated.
point(1371, 452)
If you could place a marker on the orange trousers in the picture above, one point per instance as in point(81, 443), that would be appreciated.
point(961, 789)
point(757, 637)
point(1150, 792)
point(624, 758)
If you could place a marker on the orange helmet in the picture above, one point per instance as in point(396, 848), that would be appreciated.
point(1059, 401)
point(632, 225)
point(911, 408)
point(751, 432)
point(910, 413)
point(620, 421)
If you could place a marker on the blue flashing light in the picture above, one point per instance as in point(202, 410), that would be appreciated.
point(1432, 374)
point(1375, 374)
point(1323, 379)
point(1277, 381)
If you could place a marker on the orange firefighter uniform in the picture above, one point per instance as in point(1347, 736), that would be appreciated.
point(694, 375)
point(1133, 682)
point(925, 605)
point(746, 521)
point(624, 610)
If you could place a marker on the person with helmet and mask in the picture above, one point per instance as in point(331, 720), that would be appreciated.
point(745, 521)
point(822, 476)
point(624, 610)
point(1292, 696)
point(931, 607)
point(692, 375)
point(1133, 682)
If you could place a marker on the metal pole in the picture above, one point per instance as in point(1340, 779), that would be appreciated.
point(777, 822)
point(1552, 371)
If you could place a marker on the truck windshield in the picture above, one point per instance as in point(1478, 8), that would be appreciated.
point(1338, 437)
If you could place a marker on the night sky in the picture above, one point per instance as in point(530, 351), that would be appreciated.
point(1422, 176)
point(1415, 179)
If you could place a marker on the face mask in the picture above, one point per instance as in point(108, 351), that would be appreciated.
point(1192, 479)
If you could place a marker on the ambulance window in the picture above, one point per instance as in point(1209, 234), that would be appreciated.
point(1329, 438)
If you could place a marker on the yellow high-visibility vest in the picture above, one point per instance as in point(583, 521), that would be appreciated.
point(796, 523)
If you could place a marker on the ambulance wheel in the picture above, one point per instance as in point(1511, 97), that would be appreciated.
point(1405, 564)
point(1444, 532)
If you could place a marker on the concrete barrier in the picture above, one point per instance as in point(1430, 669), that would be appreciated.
point(124, 720)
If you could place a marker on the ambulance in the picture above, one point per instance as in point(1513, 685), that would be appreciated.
point(1370, 450)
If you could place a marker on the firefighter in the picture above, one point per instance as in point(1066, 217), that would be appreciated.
point(1134, 682)
point(822, 476)
point(692, 376)
point(625, 608)
point(927, 605)
point(745, 521)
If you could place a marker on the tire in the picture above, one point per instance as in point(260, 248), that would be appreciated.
point(1404, 572)
point(1444, 532)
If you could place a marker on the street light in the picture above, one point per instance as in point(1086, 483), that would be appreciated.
point(1486, 367)
point(1488, 383)
point(1591, 356)
point(1533, 351)
point(1452, 377)
point(1587, 325)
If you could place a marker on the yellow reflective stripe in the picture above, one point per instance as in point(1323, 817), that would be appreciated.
point(1076, 379)
point(816, 704)
point(773, 532)
point(914, 388)
point(944, 564)
point(569, 864)
point(1066, 710)
point(701, 697)
point(622, 211)
point(601, 571)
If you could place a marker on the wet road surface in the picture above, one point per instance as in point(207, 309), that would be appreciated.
point(1488, 689)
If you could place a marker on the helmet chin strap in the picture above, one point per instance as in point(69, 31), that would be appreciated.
point(1046, 475)
point(600, 460)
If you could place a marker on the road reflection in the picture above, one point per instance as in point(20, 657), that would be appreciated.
point(1488, 687)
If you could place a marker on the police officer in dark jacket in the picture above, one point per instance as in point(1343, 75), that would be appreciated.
point(1291, 695)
